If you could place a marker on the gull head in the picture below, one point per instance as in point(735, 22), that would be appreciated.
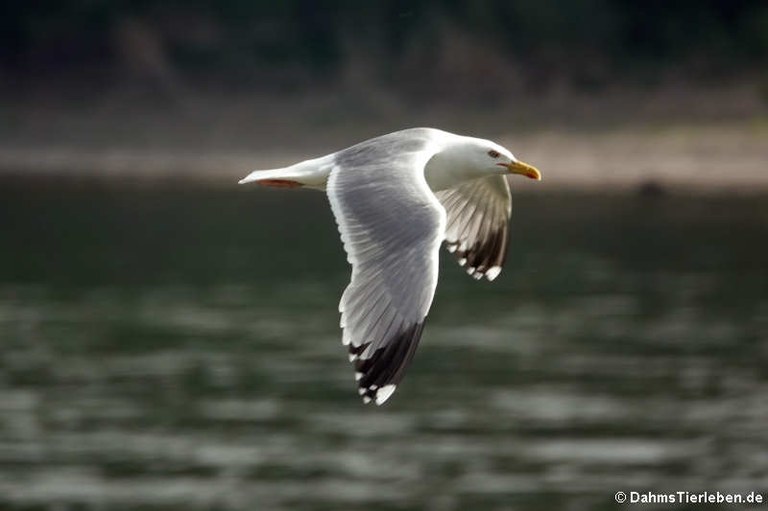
point(472, 158)
point(492, 158)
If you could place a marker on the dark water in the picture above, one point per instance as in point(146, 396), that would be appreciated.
point(177, 348)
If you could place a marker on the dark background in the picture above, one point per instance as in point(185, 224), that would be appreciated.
point(467, 48)
point(169, 340)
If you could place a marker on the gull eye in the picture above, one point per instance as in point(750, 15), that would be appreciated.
point(493, 154)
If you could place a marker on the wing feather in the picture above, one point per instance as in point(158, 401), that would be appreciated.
point(391, 225)
point(478, 215)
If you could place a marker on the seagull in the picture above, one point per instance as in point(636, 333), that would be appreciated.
point(396, 198)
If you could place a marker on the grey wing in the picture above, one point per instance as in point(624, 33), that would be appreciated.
point(478, 215)
point(392, 226)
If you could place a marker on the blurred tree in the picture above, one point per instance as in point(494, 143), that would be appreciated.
point(584, 43)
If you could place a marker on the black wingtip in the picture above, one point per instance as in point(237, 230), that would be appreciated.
point(378, 374)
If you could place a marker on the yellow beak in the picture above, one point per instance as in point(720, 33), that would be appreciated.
point(518, 167)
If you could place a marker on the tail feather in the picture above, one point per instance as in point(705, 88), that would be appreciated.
point(258, 175)
point(310, 173)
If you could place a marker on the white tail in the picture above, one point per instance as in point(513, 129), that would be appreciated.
point(310, 173)
point(258, 175)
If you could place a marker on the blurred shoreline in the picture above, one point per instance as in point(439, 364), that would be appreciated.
point(704, 141)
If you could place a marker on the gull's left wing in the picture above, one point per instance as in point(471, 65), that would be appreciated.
point(477, 229)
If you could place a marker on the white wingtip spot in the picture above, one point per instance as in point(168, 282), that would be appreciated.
point(477, 276)
point(452, 248)
point(352, 357)
point(358, 376)
point(493, 272)
point(384, 393)
point(361, 391)
point(471, 270)
point(463, 261)
point(367, 399)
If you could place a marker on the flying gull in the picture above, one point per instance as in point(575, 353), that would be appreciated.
point(396, 198)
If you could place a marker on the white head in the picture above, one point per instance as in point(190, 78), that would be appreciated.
point(466, 158)
point(482, 157)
